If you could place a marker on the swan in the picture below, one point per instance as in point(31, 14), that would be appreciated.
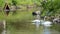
point(35, 21)
point(47, 23)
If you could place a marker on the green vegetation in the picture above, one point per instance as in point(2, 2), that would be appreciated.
point(51, 7)
point(21, 20)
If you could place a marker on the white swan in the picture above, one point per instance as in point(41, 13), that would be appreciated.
point(47, 23)
point(34, 21)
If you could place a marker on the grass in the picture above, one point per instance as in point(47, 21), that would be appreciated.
point(1, 15)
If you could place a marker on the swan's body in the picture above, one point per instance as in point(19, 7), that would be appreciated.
point(47, 23)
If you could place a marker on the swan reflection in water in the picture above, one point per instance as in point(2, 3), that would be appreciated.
point(46, 24)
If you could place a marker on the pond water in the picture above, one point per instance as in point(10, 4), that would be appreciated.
point(29, 28)
point(44, 31)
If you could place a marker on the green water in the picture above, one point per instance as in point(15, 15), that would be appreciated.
point(31, 29)
point(20, 23)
